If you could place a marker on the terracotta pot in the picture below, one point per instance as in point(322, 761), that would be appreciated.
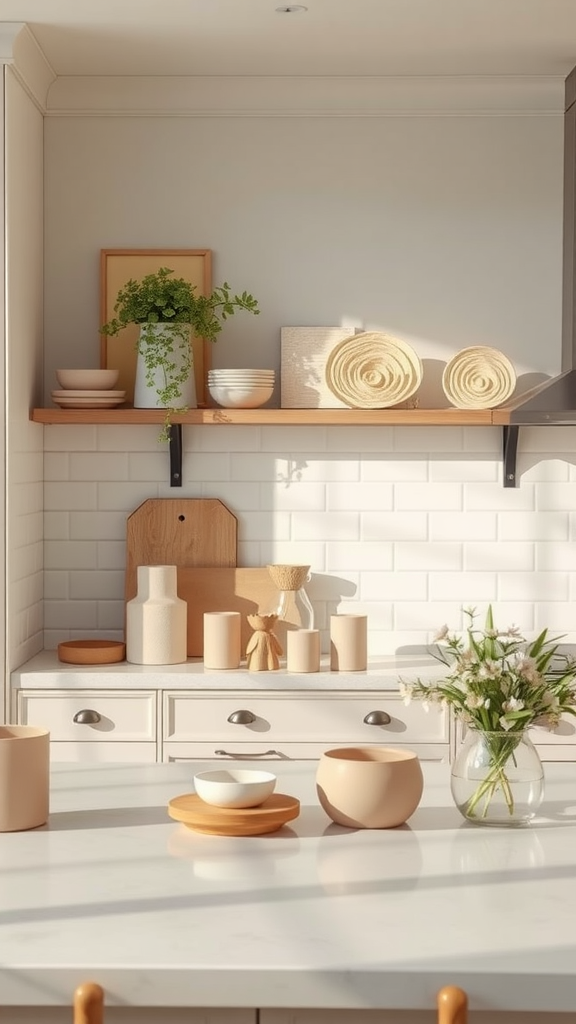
point(369, 787)
point(24, 777)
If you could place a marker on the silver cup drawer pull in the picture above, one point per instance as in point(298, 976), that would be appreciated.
point(87, 717)
point(377, 718)
point(241, 717)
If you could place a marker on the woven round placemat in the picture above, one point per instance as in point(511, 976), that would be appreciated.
point(373, 371)
point(478, 378)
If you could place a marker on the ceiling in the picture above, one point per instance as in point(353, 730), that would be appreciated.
point(332, 37)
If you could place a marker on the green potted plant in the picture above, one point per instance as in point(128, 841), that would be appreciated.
point(169, 311)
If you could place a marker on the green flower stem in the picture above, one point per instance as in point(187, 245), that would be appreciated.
point(500, 749)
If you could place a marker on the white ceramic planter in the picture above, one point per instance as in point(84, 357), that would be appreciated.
point(146, 392)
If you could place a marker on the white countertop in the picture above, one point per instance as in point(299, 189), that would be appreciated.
point(46, 671)
point(315, 915)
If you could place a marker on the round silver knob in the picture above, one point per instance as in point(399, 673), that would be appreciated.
point(377, 718)
point(241, 717)
point(86, 717)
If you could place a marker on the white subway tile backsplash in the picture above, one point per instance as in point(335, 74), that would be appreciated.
point(359, 556)
point(468, 587)
point(555, 557)
point(57, 465)
point(409, 496)
point(326, 526)
point(74, 554)
point(98, 584)
point(70, 615)
point(360, 439)
point(98, 466)
point(556, 495)
point(393, 586)
point(293, 439)
point(533, 586)
point(494, 497)
point(393, 526)
point(70, 495)
point(409, 524)
point(97, 525)
point(553, 525)
point(395, 468)
point(428, 557)
point(500, 557)
point(363, 497)
point(548, 439)
point(462, 525)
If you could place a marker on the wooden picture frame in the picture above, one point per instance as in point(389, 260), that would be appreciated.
point(117, 267)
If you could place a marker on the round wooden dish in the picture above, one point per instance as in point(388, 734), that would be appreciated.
point(193, 812)
point(91, 652)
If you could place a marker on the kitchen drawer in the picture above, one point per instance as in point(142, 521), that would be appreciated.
point(103, 753)
point(120, 715)
point(302, 718)
point(261, 752)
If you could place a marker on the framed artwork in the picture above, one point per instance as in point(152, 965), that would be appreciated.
point(117, 267)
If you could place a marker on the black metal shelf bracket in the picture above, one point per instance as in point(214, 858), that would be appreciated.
point(509, 451)
point(175, 443)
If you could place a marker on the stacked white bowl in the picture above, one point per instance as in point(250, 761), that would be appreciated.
point(241, 388)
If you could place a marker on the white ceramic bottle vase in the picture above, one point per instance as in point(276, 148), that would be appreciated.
point(156, 619)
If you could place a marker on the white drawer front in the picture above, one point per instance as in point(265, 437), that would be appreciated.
point(260, 752)
point(104, 753)
point(122, 715)
point(302, 718)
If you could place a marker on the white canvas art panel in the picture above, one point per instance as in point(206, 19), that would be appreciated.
point(304, 353)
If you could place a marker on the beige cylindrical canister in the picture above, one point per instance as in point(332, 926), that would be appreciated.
point(303, 650)
point(348, 643)
point(24, 777)
point(222, 639)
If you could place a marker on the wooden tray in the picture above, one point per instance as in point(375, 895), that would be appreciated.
point(193, 812)
point(91, 652)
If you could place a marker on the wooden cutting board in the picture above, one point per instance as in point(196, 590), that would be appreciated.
point(182, 532)
point(247, 591)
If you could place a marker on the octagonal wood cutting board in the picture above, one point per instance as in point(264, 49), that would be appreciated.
point(184, 532)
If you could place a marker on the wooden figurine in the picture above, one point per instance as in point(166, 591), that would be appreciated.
point(263, 648)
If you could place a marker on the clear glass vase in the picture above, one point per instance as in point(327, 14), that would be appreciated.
point(293, 603)
point(497, 778)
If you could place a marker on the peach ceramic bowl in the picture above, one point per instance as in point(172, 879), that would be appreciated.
point(369, 787)
point(87, 380)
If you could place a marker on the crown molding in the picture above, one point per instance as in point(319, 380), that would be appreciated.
point(254, 96)
point(20, 51)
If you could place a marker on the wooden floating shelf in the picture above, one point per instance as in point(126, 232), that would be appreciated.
point(282, 417)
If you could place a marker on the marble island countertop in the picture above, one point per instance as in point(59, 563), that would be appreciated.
point(314, 915)
point(46, 671)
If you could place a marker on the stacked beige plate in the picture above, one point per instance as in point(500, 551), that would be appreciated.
point(87, 389)
point(373, 371)
point(478, 378)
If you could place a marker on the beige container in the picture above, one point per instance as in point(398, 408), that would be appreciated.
point(24, 777)
point(348, 643)
point(303, 650)
point(222, 639)
point(369, 787)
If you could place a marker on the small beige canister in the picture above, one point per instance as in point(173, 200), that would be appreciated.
point(24, 777)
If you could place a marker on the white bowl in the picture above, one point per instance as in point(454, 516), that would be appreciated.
point(234, 787)
point(87, 380)
point(243, 370)
point(231, 396)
